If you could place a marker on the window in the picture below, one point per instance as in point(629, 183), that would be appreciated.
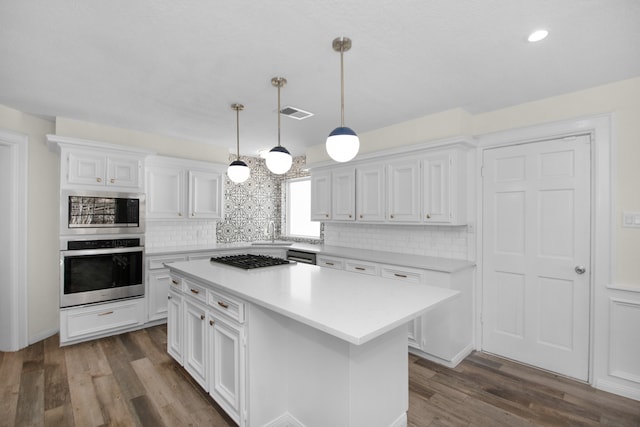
point(298, 213)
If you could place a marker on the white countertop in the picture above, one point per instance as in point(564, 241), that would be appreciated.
point(353, 307)
point(447, 265)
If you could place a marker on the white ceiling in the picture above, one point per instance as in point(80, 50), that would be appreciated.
point(173, 67)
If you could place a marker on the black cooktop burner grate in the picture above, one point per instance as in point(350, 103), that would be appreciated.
point(248, 261)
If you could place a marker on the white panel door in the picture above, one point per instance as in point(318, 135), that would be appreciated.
point(536, 228)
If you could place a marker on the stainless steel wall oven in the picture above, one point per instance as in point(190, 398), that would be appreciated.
point(97, 270)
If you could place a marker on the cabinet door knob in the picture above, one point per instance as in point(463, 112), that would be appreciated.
point(193, 214)
point(202, 317)
point(428, 216)
point(349, 215)
point(168, 296)
point(112, 180)
point(99, 179)
point(326, 215)
point(391, 216)
point(211, 322)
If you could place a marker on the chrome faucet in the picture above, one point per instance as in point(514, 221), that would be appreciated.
point(271, 229)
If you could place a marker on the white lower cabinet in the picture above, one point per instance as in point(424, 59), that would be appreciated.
point(99, 320)
point(175, 337)
point(195, 339)
point(206, 335)
point(158, 284)
point(225, 370)
point(444, 334)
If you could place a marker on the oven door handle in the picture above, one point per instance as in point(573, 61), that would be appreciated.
point(105, 251)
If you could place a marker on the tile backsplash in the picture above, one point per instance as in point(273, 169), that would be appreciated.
point(161, 234)
point(429, 240)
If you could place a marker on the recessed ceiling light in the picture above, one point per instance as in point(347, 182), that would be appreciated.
point(537, 35)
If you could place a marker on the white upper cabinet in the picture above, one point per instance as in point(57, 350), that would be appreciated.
point(370, 192)
point(321, 196)
point(443, 187)
point(205, 194)
point(403, 190)
point(165, 192)
point(412, 185)
point(97, 165)
point(178, 189)
point(343, 191)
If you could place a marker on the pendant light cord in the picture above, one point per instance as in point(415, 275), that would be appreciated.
point(342, 84)
point(278, 112)
point(238, 133)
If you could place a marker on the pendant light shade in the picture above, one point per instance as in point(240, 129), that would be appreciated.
point(238, 171)
point(278, 159)
point(343, 143)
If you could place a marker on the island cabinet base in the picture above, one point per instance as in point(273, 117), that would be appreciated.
point(300, 376)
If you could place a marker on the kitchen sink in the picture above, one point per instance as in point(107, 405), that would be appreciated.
point(272, 243)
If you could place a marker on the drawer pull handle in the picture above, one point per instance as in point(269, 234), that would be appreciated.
point(328, 263)
point(404, 276)
point(211, 322)
point(202, 317)
point(223, 305)
point(175, 282)
point(106, 313)
point(195, 291)
point(360, 268)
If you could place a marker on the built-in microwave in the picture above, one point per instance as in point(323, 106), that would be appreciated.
point(92, 212)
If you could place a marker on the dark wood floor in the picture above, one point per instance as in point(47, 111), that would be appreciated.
point(130, 380)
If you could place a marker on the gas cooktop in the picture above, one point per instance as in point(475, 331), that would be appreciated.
point(248, 261)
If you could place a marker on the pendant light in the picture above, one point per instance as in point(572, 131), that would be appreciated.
point(238, 171)
point(343, 143)
point(279, 159)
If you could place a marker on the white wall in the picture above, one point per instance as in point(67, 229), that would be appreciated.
point(42, 227)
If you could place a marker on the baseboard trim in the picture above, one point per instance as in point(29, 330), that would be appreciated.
point(619, 389)
point(285, 420)
point(43, 335)
point(462, 354)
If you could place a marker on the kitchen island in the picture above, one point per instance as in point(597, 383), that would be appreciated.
point(308, 346)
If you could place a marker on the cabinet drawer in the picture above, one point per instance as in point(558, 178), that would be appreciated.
point(362, 267)
point(175, 283)
point(227, 305)
point(407, 274)
point(194, 290)
point(331, 262)
point(158, 262)
point(99, 319)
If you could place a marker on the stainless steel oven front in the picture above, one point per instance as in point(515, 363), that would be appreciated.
point(97, 270)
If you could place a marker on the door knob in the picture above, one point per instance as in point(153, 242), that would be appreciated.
point(580, 269)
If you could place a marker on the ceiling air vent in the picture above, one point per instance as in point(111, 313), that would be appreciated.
point(295, 113)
